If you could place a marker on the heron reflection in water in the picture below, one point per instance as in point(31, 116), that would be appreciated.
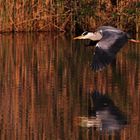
point(103, 114)
point(108, 41)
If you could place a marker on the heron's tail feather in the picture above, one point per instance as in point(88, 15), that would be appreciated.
point(135, 41)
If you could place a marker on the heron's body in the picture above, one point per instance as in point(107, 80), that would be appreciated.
point(112, 39)
point(108, 41)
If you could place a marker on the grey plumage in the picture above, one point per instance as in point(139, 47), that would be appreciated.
point(108, 41)
point(106, 49)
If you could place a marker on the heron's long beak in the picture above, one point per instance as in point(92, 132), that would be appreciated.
point(78, 37)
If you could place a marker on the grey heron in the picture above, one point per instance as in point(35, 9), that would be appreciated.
point(108, 41)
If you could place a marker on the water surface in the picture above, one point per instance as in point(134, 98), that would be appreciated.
point(48, 90)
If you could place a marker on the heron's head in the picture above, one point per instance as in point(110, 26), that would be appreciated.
point(90, 35)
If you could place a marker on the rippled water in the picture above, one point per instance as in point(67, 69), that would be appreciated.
point(49, 92)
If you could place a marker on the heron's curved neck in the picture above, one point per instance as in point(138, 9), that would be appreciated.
point(95, 36)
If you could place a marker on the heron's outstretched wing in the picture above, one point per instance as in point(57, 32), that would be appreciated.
point(101, 59)
point(107, 48)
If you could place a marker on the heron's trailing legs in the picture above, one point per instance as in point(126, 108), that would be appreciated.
point(133, 40)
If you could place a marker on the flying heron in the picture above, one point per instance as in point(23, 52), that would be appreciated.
point(108, 41)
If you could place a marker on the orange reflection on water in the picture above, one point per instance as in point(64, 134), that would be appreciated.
point(44, 85)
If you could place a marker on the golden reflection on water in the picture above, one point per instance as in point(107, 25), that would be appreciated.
point(45, 81)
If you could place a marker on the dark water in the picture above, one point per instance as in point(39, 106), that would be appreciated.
point(49, 92)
